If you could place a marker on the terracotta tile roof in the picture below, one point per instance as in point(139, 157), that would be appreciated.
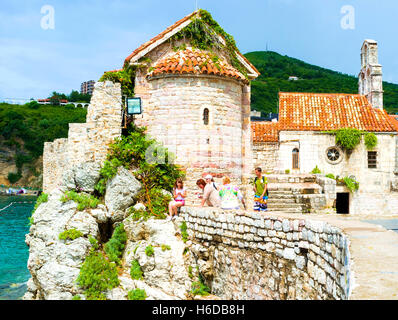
point(195, 61)
point(319, 112)
point(163, 36)
point(265, 131)
point(394, 118)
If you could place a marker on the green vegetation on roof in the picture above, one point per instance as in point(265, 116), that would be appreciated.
point(204, 33)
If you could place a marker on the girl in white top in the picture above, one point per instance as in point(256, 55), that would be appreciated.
point(179, 194)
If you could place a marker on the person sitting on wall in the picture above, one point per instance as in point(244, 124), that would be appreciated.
point(261, 191)
point(230, 196)
point(210, 193)
point(179, 195)
point(201, 185)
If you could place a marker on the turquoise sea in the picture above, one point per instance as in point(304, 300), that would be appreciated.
point(13, 250)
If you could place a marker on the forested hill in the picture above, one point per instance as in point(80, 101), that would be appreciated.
point(276, 69)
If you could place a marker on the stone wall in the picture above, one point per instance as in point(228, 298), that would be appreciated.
point(54, 162)
point(328, 189)
point(255, 256)
point(86, 142)
point(265, 155)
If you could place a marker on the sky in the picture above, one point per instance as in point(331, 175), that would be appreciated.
point(93, 36)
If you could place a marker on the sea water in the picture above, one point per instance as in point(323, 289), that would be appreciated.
point(14, 253)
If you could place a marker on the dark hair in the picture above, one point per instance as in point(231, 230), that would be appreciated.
point(179, 180)
point(258, 169)
point(201, 182)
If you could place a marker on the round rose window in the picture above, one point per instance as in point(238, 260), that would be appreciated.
point(334, 155)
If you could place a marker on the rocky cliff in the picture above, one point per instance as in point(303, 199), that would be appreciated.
point(55, 264)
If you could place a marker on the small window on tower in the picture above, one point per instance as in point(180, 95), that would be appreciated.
point(372, 159)
point(206, 116)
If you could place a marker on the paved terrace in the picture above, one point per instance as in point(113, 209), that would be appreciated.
point(373, 249)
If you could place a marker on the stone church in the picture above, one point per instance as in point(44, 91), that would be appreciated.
point(298, 141)
point(196, 102)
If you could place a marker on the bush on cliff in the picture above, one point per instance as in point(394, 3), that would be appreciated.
point(115, 246)
point(184, 233)
point(200, 288)
point(41, 199)
point(135, 270)
point(136, 294)
point(133, 152)
point(70, 234)
point(83, 201)
point(97, 275)
point(149, 251)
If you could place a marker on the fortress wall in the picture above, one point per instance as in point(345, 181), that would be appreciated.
point(256, 256)
point(54, 162)
point(87, 141)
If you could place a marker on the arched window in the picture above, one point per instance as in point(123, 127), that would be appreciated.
point(206, 116)
point(295, 154)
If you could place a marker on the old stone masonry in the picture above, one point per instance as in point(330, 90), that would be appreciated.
point(197, 104)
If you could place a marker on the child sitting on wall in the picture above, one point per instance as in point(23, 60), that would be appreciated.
point(179, 195)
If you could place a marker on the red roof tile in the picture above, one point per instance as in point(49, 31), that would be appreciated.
point(265, 131)
point(319, 112)
point(394, 118)
point(195, 61)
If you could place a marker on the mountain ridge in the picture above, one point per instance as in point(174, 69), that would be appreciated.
point(276, 69)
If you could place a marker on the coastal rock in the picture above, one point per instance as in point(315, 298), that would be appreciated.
point(165, 270)
point(100, 214)
point(53, 263)
point(139, 206)
point(127, 284)
point(83, 177)
point(87, 175)
point(121, 192)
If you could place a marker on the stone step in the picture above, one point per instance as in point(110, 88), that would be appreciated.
point(303, 188)
point(289, 210)
point(279, 189)
point(280, 196)
point(283, 208)
point(281, 201)
point(291, 178)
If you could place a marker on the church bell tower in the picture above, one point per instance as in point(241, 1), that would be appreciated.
point(371, 77)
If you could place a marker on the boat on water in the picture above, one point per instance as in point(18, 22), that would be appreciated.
point(20, 192)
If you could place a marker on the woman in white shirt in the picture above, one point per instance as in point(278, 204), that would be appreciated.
point(179, 195)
